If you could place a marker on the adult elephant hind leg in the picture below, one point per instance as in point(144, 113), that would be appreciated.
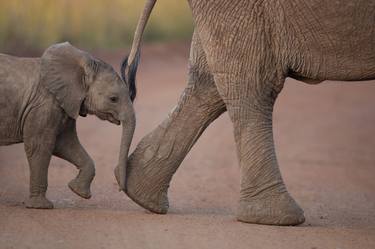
point(159, 154)
point(249, 69)
point(69, 148)
point(263, 198)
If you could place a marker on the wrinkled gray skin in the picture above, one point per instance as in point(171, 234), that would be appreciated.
point(40, 100)
point(241, 53)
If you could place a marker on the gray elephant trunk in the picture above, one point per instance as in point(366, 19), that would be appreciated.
point(128, 127)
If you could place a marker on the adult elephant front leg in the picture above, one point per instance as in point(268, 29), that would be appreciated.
point(159, 154)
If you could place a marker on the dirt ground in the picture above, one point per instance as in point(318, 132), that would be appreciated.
point(325, 138)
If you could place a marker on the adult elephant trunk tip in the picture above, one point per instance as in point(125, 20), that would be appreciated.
point(128, 127)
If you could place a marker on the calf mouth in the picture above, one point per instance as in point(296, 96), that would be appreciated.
point(112, 119)
point(107, 116)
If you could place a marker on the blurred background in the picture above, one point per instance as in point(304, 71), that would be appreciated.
point(324, 137)
point(31, 26)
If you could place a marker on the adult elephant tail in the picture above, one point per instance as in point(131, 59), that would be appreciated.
point(130, 63)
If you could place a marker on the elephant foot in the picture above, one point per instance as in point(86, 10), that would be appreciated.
point(142, 191)
point(39, 202)
point(80, 188)
point(155, 203)
point(279, 210)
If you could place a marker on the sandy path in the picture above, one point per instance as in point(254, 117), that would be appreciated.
point(325, 138)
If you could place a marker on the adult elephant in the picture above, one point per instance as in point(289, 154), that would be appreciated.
point(241, 53)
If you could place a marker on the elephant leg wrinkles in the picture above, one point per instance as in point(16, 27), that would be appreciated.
point(263, 197)
point(39, 153)
point(39, 137)
point(249, 72)
point(70, 149)
point(159, 154)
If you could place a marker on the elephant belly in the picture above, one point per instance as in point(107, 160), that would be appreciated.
point(10, 141)
point(17, 83)
point(10, 132)
point(336, 39)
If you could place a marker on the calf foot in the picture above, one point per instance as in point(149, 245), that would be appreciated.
point(38, 202)
point(80, 188)
point(278, 209)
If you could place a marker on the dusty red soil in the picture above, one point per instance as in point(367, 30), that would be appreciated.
point(325, 137)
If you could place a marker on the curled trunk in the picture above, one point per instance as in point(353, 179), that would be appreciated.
point(128, 127)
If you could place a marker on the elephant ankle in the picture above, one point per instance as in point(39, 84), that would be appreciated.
point(147, 190)
point(87, 173)
point(273, 188)
point(156, 202)
point(147, 184)
point(280, 209)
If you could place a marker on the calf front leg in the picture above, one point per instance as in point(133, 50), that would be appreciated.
point(69, 148)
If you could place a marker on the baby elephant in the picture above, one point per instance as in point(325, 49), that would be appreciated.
point(40, 100)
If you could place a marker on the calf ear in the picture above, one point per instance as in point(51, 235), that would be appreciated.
point(66, 73)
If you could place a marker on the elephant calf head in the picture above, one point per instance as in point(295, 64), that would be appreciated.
point(84, 85)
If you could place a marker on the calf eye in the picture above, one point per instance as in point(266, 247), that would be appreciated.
point(114, 99)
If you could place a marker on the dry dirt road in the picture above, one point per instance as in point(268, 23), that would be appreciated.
point(325, 138)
